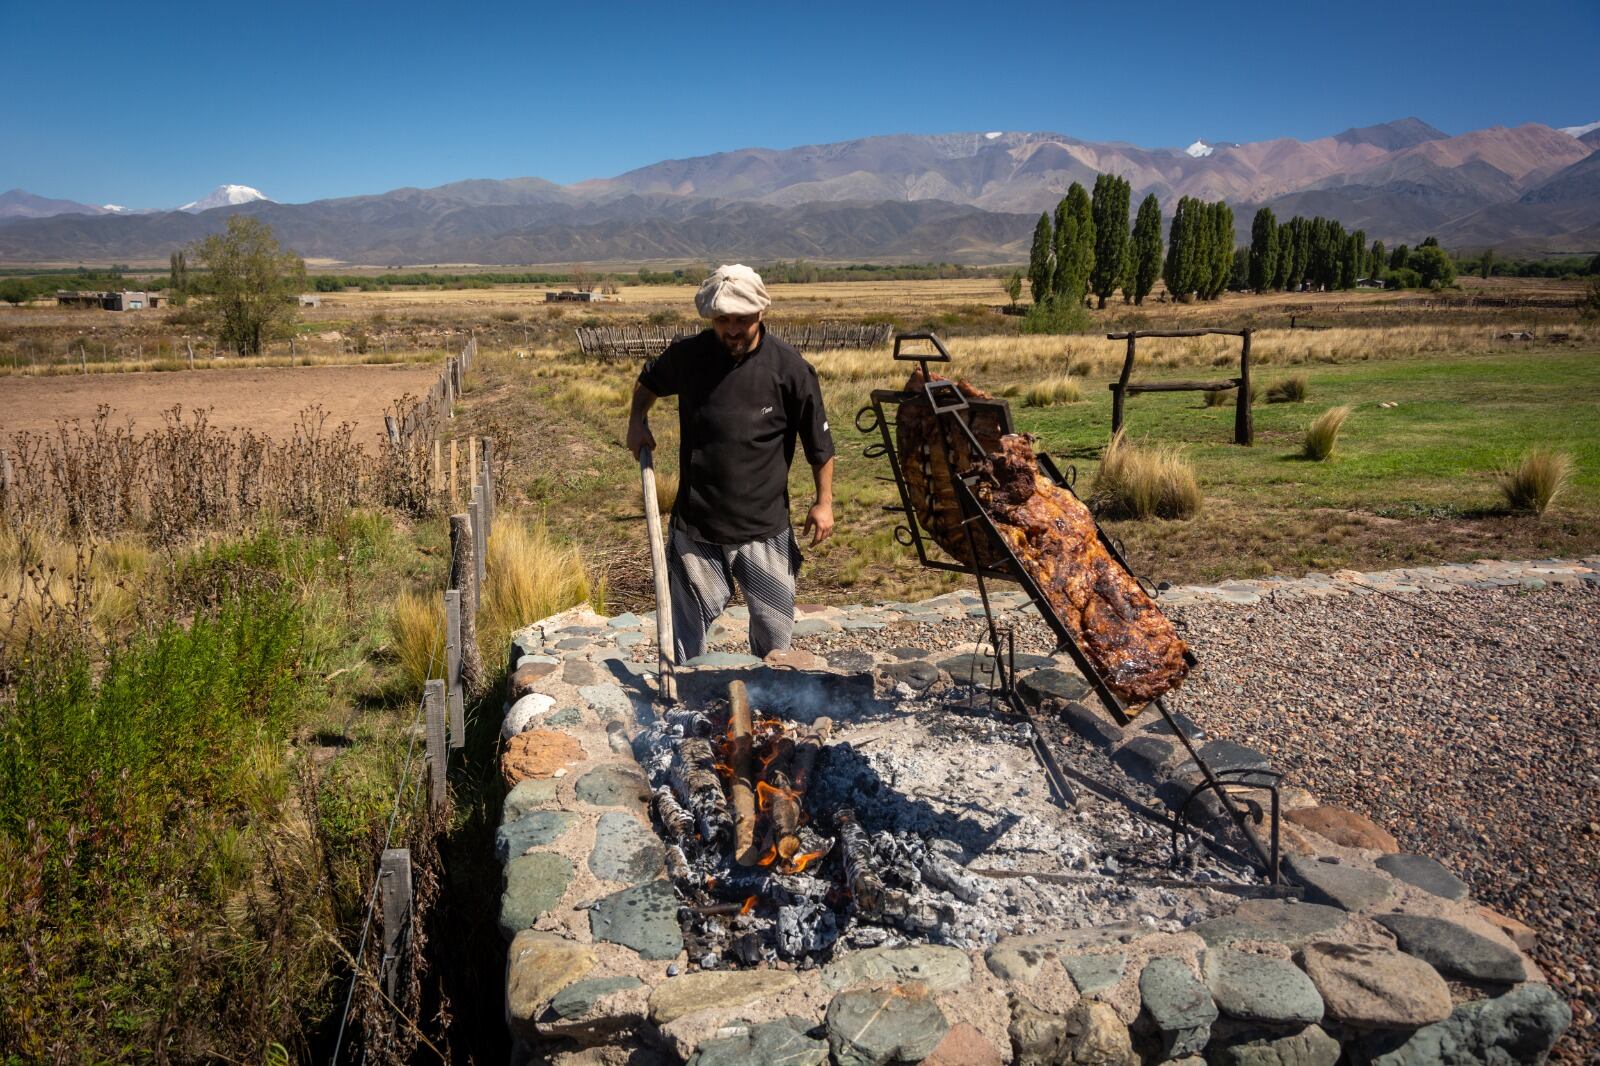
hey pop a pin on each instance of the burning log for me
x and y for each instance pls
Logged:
(806, 751)
(740, 739)
(694, 779)
(677, 821)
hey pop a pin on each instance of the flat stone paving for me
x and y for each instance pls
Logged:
(597, 954)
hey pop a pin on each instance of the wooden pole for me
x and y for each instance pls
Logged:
(464, 579)
(187, 343)
(472, 460)
(1118, 393)
(488, 485)
(438, 469)
(452, 668)
(392, 429)
(454, 483)
(741, 790)
(438, 750)
(480, 546)
(1244, 431)
(666, 650)
(394, 886)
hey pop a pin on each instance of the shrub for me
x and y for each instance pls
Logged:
(1539, 476)
(507, 316)
(1293, 389)
(666, 490)
(1051, 391)
(1056, 316)
(1145, 482)
(1221, 397)
(1323, 433)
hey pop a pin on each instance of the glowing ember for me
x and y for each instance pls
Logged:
(749, 905)
(804, 859)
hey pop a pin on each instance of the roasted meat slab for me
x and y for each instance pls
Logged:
(927, 475)
(1116, 623)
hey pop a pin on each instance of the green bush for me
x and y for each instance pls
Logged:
(1056, 316)
(1292, 389)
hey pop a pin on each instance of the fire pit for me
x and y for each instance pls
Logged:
(794, 836)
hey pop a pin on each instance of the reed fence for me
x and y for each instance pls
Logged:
(104, 477)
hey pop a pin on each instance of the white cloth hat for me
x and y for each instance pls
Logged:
(732, 290)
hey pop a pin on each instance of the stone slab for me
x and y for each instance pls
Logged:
(1018, 958)
(873, 1027)
(939, 968)
(770, 1044)
(1261, 989)
(1308, 1046)
(1277, 921)
(1178, 1004)
(1424, 873)
(1375, 987)
(538, 967)
(613, 786)
(1338, 885)
(579, 998)
(1520, 1026)
(1095, 973)
(1346, 828)
(690, 992)
(533, 884)
(1453, 950)
(526, 797)
(531, 830)
(625, 850)
(643, 917)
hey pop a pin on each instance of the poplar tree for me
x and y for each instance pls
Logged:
(1040, 265)
(1074, 244)
(1377, 261)
(1110, 213)
(1202, 223)
(1222, 249)
(1263, 250)
(1178, 271)
(1284, 250)
(1064, 239)
(1302, 253)
(1399, 257)
(1146, 248)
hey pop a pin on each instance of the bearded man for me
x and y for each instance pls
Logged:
(744, 398)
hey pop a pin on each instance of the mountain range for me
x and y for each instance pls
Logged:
(963, 197)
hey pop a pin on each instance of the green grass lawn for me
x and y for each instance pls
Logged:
(1455, 423)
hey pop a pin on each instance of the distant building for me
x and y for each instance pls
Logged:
(1369, 283)
(109, 301)
(308, 299)
(568, 296)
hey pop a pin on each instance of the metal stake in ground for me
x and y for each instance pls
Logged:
(658, 567)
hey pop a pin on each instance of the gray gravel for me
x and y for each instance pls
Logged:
(1483, 755)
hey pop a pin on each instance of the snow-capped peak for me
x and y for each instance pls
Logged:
(115, 209)
(1579, 131)
(225, 196)
(1199, 149)
(992, 135)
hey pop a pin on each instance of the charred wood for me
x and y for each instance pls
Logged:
(695, 781)
(806, 750)
(678, 822)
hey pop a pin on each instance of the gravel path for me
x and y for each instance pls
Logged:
(1483, 755)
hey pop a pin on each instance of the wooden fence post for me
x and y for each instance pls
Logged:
(1119, 393)
(394, 885)
(464, 578)
(392, 429)
(480, 546)
(438, 748)
(1244, 430)
(454, 482)
(488, 485)
(452, 668)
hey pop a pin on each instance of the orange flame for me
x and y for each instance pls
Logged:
(749, 905)
(765, 792)
(768, 857)
(804, 859)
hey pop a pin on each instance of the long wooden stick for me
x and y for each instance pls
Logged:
(658, 567)
(740, 789)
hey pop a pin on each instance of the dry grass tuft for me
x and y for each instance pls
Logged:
(666, 491)
(416, 633)
(1292, 389)
(1222, 397)
(531, 575)
(1137, 481)
(1533, 484)
(1323, 433)
(1051, 391)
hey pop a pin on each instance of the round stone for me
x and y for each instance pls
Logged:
(1374, 987)
(625, 850)
(870, 1028)
(530, 831)
(644, 918)
(612, 786)
(534, 883)
(1424, 873)
(1453, 950)
(1258, 988)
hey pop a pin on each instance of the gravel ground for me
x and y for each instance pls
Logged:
(1467, 729)
(1466, 722)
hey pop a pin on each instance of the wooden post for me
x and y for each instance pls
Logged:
(187, 343)
(394, 886)
(438, 750)
(464, 579)
(83, 356)
(480, 546)
(666, 650)
(488, 487)
(472, 461)
(452, 668)
(438, 470)
(454, 483)
(1244, 431)
(392, 429)
(741, 789)
(1120, 392)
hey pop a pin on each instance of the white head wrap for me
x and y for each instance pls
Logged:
(732, 290)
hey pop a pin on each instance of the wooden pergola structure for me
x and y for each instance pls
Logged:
(1243, 425)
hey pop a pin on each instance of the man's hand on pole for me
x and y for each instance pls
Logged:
(639, 435)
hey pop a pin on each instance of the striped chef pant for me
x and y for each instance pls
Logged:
(702, 578)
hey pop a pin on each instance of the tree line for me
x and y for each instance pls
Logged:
(1317, 253)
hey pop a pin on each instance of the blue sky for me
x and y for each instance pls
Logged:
(152, 105)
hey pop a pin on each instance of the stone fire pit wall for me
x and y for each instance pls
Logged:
(1386, 959)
